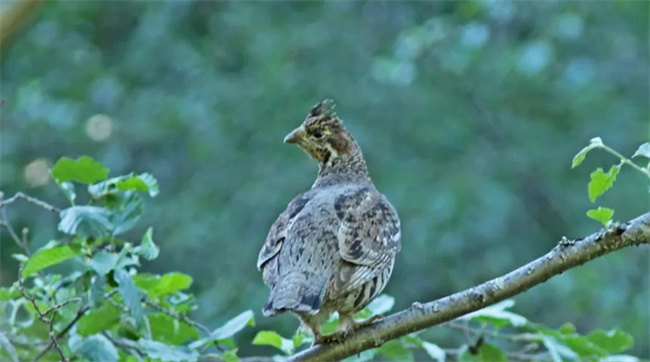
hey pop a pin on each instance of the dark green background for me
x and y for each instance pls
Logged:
(468, 114)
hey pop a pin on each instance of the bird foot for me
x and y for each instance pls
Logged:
(336, 337)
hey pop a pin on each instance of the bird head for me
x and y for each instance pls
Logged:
(322, 135)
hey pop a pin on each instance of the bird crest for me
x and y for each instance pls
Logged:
(323, 109)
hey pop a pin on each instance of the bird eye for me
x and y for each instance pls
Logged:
(318, 134)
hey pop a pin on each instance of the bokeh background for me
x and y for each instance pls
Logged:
(468, 113)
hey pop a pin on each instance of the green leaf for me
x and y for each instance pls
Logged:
(98, 320)
(490, 353)
(171, 282)
(567, 328)
(395, 350)
(643, 151)
(601, 181)
(148, 248)
(97, 348)
(47, 257)
(435, 352)
(583, 347)
(169, 330)
(271, 338)
(85, 221)
(580, 156)
(164, 352)
(8, 293)
(103, 262)
(234, 325)
(230, 356)
(126, 212)
(144, 182)
(498, 315)
(84, 170)
(614, 341)
(130, 293)
(601, 214)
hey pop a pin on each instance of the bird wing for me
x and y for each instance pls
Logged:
(266, 260)
(369, 236)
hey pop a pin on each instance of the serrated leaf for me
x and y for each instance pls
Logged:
(395, 350)
(85, 221)
(84, 170)
(601, 214)
(164, 352)
(147, 248)
(144, 182)
(97, 348)
(98, 320)
(435, 352)
(130, 293)
(614, 341)
(601, 182)
(48, 257)
(643, 151)
(234, 325)
(271, 338)
(170, 330)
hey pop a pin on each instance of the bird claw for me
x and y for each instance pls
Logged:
(336, 337)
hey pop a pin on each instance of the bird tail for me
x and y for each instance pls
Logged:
(296, 292)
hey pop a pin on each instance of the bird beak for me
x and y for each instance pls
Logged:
(295, 135)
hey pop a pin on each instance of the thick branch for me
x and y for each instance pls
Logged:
(566, 255)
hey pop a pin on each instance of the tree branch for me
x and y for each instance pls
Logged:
(566, 255)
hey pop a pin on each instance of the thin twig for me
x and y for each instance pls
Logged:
(65, 330)
(42, 316)
(4, 221)
(53, 338)
(32, 200)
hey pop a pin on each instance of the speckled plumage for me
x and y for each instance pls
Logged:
(333, 248)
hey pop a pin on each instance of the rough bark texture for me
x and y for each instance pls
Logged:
(566, 255)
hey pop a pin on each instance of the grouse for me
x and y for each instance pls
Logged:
(333, 248)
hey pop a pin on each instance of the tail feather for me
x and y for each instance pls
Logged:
(296, 292)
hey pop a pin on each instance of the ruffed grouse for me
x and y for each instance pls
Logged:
(333, 248)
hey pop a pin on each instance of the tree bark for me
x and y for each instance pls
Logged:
(566, 255)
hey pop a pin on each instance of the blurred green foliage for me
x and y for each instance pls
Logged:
(468, 114)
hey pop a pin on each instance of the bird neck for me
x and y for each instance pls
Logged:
(344, 168)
